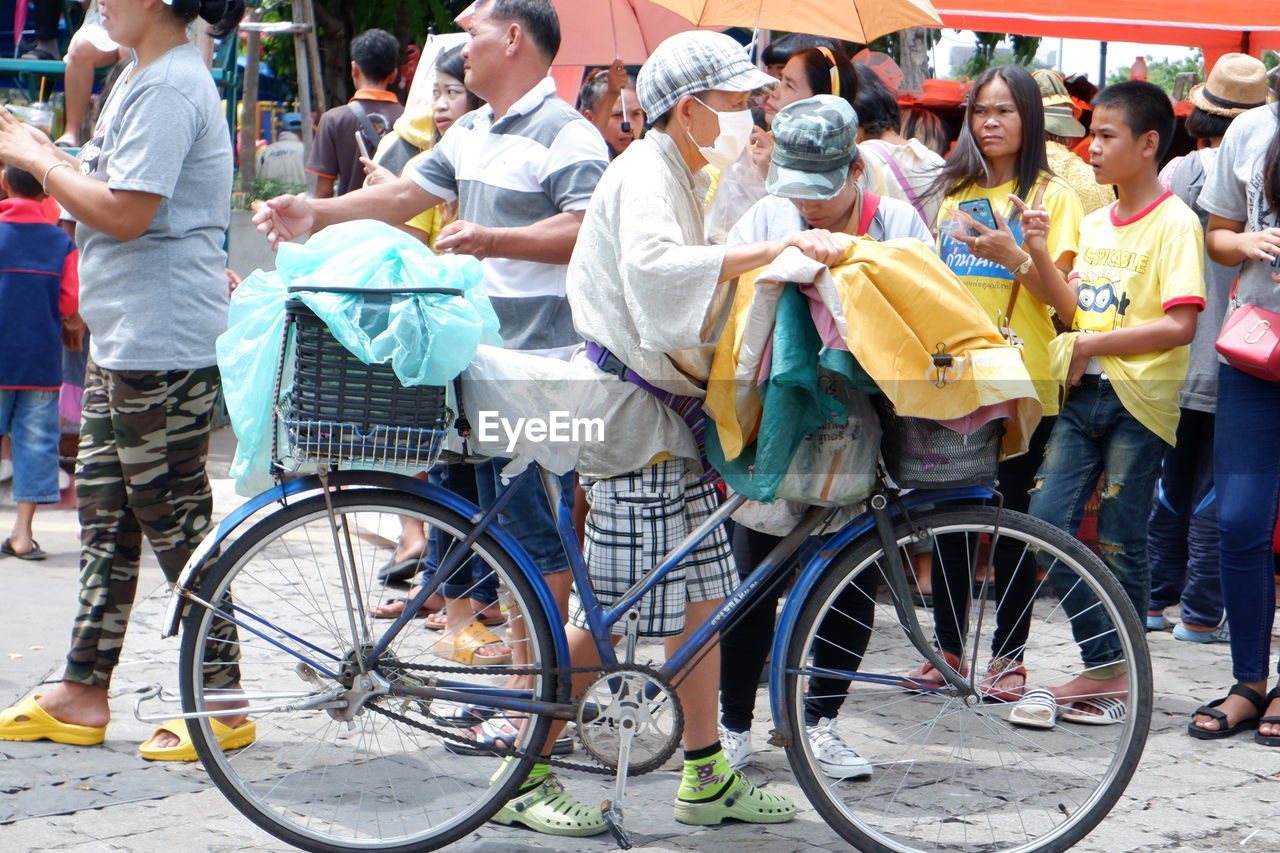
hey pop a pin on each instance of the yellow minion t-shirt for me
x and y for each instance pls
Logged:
(1130, 272)
(991, 283)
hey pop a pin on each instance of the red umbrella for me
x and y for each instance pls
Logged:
(596, 32)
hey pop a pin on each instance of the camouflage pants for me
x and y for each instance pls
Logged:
(144, 439)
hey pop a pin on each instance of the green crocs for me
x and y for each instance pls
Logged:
(743, 801)
(550, 809)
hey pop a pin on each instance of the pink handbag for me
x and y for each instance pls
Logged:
(1250, 339)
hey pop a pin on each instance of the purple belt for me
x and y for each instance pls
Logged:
(688, 408)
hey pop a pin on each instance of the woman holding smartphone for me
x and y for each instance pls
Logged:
(997, 169)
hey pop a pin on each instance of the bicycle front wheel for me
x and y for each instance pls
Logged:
(948, 770)
(343, 758)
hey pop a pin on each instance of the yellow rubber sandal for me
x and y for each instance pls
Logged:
(40, 725)
(184, 750)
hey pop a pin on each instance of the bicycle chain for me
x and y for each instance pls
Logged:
(454, 735)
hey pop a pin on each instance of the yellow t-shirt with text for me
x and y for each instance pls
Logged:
(991, 284)
(1130, 272)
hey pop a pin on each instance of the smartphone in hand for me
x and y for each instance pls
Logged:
(364, 150)
(980, 209)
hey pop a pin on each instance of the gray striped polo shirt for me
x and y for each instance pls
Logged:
(540, 159)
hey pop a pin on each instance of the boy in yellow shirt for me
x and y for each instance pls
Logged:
(1139, 281)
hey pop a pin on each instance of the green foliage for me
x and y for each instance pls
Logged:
(892, 43)
(1163, 73)
(1271, 59)
(985, 45)
(263, 189)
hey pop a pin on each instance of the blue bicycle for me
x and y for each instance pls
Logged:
(369, 735)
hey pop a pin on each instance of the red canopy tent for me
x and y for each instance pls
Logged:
(1244, 26)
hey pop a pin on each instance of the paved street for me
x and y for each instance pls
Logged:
(1188, 795)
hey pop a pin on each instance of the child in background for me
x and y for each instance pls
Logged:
(38, 288)
(1139, 279)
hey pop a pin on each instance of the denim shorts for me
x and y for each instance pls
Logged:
(30, 419)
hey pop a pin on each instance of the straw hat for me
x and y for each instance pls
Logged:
(1236, 83)
(1059, 112)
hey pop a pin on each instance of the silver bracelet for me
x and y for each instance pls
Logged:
(44, 182)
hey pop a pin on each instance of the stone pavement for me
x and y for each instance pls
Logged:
(1188, 795)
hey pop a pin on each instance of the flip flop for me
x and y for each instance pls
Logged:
(471, 639)
(997, 669)
(436, 621)
(184, 750)
(928, 679)
(1037, 709)
(378, 612)
(40, 725)
(6, 548)
(399, 571)
(1259, 737)
(1250, 695)
(1106, 711)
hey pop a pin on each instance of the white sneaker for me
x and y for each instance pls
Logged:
(835, 758)
(737, 747)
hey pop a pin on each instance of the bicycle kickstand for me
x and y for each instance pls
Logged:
(611, 810)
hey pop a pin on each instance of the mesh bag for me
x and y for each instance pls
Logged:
(343, 410)
(923, 454)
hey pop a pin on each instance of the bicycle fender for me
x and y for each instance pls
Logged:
(189, 578)
(815, 570)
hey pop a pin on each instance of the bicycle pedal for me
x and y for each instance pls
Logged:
(613, 819)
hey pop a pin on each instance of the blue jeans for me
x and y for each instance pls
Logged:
(1246, 467)
(1096, 437)
(30, 418)
(1183, 545)
(527, 516)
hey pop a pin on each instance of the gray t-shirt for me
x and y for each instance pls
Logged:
(159, 301)
(1200, 390)
(1235, 191)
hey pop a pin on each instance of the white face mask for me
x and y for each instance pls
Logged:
(735, 132)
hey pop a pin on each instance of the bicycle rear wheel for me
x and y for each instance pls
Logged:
(950, 772)
(274, 628)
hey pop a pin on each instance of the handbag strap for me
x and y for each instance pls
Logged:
(1017, 285)
(881, 151)
(870, 204)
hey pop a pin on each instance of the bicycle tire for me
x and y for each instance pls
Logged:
(952, 776)
(307, 778)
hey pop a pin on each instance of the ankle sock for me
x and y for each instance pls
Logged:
(707, 775)
(537, 775)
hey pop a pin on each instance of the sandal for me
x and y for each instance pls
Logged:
(1103, 711)
(997, 670)
(1252, 696)
(35, 553)
(550, 809)
(1259, 737)
(1037, 709)
(742, 801)
(184, 750)
(41, 725)
(436, 621)
(500, 732)
(927, 678)
(463, 649)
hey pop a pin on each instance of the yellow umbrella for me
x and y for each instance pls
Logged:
(853, 20)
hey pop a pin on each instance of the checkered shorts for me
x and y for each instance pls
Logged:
(635, 520)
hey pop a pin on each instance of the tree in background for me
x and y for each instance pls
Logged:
(1164, 72)
(984, 56)
(339, 21)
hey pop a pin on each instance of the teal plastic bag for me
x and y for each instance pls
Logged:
(428, 339)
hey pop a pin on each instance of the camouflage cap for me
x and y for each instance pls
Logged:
(814, 143)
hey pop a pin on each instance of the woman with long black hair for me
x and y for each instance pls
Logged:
(999, 166)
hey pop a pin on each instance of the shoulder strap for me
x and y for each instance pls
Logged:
(1037, 201)
(870, 204)
(881, 151)
(367, 130)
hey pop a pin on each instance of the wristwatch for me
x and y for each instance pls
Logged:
(1022, 268)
